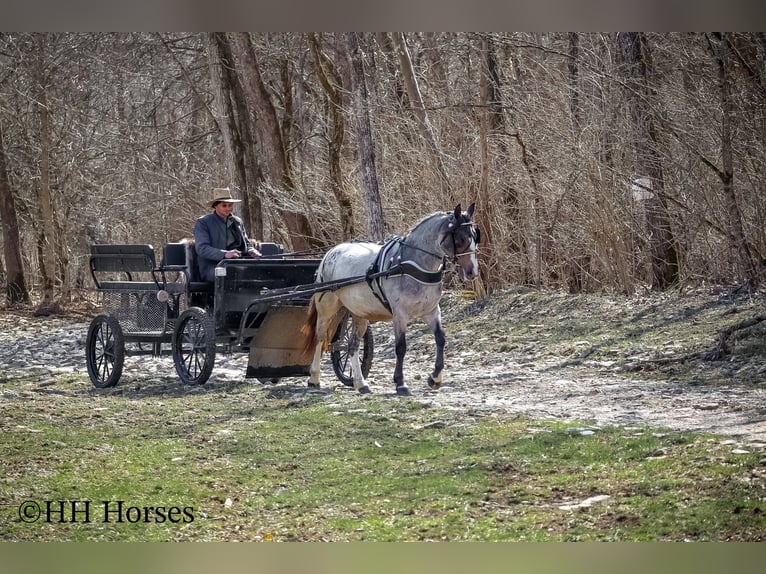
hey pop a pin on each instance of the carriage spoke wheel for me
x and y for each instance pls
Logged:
(341, 359)
(194, 346)
(105, 351)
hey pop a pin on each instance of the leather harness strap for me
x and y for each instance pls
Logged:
(379, 270)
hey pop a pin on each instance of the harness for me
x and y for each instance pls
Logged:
(389, 264)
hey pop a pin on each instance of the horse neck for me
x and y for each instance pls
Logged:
(421, 244)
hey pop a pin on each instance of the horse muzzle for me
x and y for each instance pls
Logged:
(467, 272)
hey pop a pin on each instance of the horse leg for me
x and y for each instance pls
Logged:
(327, 305)
(435, 323)
(400, 326)
(358, 328)
(316, 363)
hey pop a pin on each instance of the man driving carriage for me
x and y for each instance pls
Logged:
(220, 235)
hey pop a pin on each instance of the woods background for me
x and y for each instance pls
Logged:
(597, 161)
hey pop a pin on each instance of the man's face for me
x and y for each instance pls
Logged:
(224, 208)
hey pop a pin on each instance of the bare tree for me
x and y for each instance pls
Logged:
(48, 245)
(233, 121)
(490, 121)
(663, 256)
(419, 109)
(719, 46)
(361, 112)
(15, 287)
(277, 167)
(536, 125)
(331, 82)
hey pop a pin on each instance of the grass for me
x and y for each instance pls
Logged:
(280, 463)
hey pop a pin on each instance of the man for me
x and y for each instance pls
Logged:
(220, 235)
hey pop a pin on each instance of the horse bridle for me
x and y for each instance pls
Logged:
(454, 229)
(477, 239)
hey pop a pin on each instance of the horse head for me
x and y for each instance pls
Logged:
(461, 240)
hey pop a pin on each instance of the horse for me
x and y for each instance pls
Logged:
(395, 281)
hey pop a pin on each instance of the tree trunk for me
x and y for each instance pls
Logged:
(15, 287)
(269, 134)
(663, 256)
(574, 82)
(233, 123)
(419, 109)
(373, 207)
(324, 70)
(488, 126)
(47, 241)
(387, 47)
(745, 262)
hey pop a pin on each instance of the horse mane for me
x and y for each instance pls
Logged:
(426, 219)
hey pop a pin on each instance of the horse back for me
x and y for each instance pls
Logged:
(347, 260)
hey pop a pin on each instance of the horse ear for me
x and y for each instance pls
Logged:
(458, 211)
(470, 210)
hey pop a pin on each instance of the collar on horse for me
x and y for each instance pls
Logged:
(388, 265)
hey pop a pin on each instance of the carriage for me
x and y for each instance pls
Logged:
(267, 306)
(255, 306)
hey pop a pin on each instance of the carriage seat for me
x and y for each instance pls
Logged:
(271, 250)
(182, 257)
(129, 262)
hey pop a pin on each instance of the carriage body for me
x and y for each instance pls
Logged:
(255, 306)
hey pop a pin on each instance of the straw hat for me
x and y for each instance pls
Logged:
(221, 194)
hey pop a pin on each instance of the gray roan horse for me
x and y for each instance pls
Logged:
(396, 281)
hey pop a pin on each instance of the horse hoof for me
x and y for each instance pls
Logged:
(313, 385)
(365, 390)
(403, 391)
(433, 384)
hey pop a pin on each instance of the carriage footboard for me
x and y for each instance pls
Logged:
(277, 344)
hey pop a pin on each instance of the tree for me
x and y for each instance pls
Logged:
(331, 82)
(663, 256)
(48, 244)
(546, 130)
(719, 46)
(367, 168)
(15, 287)
(232, 117)
(419, 109)
(267, 126)
(490, 124)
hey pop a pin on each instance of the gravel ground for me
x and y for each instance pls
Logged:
(504, 356)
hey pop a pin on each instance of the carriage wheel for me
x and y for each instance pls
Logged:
(194, 346)
(341, 360)
(104, 351)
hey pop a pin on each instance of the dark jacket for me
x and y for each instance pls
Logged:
(210, 242)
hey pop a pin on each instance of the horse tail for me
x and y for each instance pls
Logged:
(309, 328)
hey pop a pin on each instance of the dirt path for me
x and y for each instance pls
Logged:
(586, 358)
(549, 371)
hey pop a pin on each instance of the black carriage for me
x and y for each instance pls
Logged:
(255, 306)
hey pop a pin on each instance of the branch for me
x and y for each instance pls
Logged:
(185, 72)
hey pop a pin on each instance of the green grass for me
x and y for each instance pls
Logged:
(253, 464)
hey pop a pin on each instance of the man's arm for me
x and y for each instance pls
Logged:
(249, 247)
(203, 242)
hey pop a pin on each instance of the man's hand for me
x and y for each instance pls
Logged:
(232, 254)
(253, 252)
